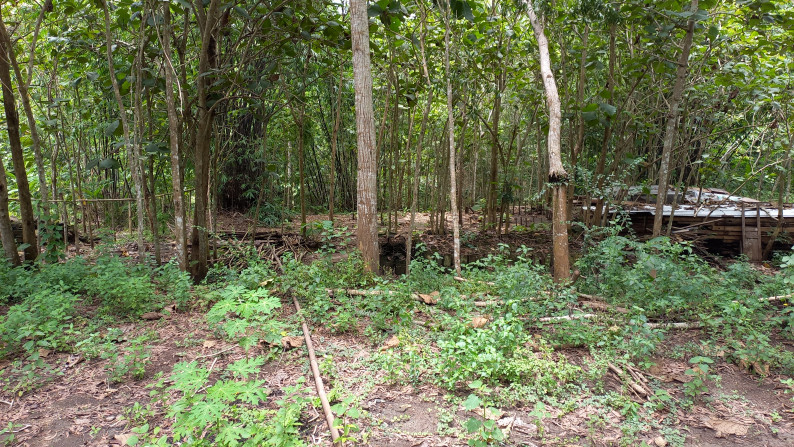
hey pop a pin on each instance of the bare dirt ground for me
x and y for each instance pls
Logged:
(80, 407)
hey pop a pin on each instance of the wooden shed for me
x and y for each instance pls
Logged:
(714, 216)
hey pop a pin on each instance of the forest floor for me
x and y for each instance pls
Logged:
(381, 366)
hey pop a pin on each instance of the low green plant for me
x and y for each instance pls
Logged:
(229, 411)
(122, 289)
(699, 372)
(246, 316)
(39, 322)
(484, 431)
(130, 362)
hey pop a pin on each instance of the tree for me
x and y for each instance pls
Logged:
(200, 251)
(173, 137)
(131, 147)
(557, 175)
(17, 156)
(453, 191)
(365, 128)
(6, 233)
(672, 120)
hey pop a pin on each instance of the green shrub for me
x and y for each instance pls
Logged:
(175, 283)
(229, 411)
(40, 321)
(246, 316)
(122, 289)
(659, 276)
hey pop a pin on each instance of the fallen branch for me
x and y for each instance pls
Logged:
(603, 306)
(318, 380)
(566, 318)
(215, 354)
(777, 297)
(631, 379)
(692, 325)
(462, 279)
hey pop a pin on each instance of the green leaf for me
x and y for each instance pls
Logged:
(110, 128)
(609, 109)
(472, 425)
(472, 402)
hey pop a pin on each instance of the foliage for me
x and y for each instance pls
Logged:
(132, 362)
(229, 411)
(246, 316)
(39, 322)
(121, 289)
(658, 276)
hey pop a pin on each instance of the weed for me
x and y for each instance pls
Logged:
(699, 372)
(246, 316)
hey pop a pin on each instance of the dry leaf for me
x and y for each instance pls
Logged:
(290, 342)
(209, 343)
(391, 342)
(478, 322)
(724, 428)
(123, 438)
(489, 413)
(151, 316)
(761, 368)
(660, 441)
(428, 298)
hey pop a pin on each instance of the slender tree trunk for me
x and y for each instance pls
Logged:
(6, 233)
(672, 121)
(17, 156)
(128, 144)
(365, 126)
(419, 143)
(557, 175)
(199, 255)
(576, 149)
(174, 139)
(24, 96)
(453, 192)
(334, 142)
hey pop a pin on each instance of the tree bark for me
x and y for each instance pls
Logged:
(557, 175)
(423, 128)
(365, 126)
(453, 193)
(6, 233)
(128, 144)
(199, 255)
(17, 156)
(23, 94)
(672, 121)
(173, 135)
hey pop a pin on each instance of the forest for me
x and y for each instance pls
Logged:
(401, 223)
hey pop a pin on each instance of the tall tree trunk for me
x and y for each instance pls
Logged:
(672, 121)
(17, 156)
(6, 233)
(453, 192)
(419, 143)
(334, 142)
(365, 126)
(576, 149)
(148, 192)
(199, 254)
(128, 143)
(23, 84)
(174, 133)
(557, 175)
